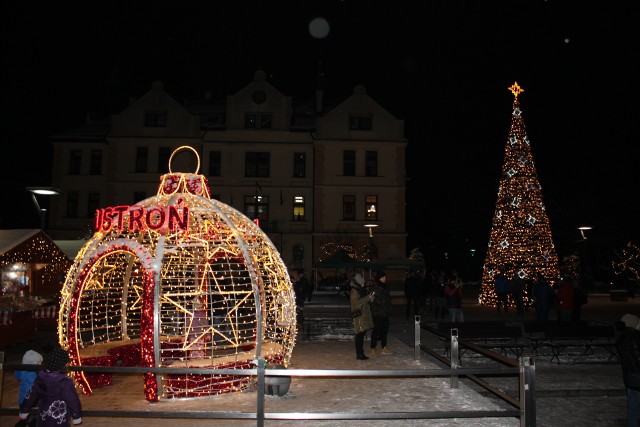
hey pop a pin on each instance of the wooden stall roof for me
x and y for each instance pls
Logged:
(30, 246)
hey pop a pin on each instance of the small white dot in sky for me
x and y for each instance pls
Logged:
(319, 28)
(566, 41)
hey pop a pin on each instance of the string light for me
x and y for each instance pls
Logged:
(178, 296)
(520, 241)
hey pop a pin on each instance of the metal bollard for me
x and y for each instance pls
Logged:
(416, 339)
(455, 356)
(527, 392)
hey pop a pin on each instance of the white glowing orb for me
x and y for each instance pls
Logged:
(319, 28)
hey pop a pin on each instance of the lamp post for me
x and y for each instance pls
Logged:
(42, 191)
(372, 248)
(585, 263)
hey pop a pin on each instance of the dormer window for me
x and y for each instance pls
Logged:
(155, 120)
(360, 122)
(257, 121)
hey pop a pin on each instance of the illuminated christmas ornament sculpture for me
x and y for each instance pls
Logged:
(178, 280)
(520, 242)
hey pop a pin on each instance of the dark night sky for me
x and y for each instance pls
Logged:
(442, 66)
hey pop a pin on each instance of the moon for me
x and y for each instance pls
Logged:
(319, 28)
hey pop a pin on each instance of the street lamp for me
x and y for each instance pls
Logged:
(42, 191)
(586, 253)
(582, 230)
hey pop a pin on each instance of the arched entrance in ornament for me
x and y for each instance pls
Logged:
(113, 306)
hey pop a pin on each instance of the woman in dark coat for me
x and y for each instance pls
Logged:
(381, 312)
(363, 322)
(54, 393)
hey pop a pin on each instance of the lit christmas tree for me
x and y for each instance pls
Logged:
(520, 241)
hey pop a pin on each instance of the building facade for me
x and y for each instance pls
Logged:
(316, 181)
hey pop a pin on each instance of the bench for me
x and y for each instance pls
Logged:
(559, 336)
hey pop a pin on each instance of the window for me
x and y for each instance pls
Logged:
(93, 204)
(257, 121)
(164, 154)
(349, 163)
(256, 164)
(142, 155)
(371, 207)
(96, 162)
(139, 196)
(75, 162)
(298, 254)
(72, 205)
(359, 122)
(257, 207)
(371, 163)
(155, 120)
(215, 163)
(298, 208)
(299, 165)
(349, 207)
(265, 121)
(250, 121)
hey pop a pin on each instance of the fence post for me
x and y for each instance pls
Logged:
(416, 339)
(260, 396)
(455, 358)
(527, 392)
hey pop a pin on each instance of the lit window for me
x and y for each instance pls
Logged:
(371, 206)
(298, 208)
(257, 207)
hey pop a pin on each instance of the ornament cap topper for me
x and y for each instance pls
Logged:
(178, 182)
(516, 89)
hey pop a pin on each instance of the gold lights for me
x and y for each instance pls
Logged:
(516, 89)
(520, 241)
(215, 294)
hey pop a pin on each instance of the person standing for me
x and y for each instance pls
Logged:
(543, 297)
(628, 344)
(501, 288)
(54, 393)
(517, 292)
(300, 291)
(381, 312)
(453, 293)
(360, 312)
(565, 299)
(26, 378)
(304, 284)
(579, 299)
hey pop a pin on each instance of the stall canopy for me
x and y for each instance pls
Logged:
(30, 246)
(341, 259)
(392, 260)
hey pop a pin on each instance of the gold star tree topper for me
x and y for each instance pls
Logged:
(516, 89)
